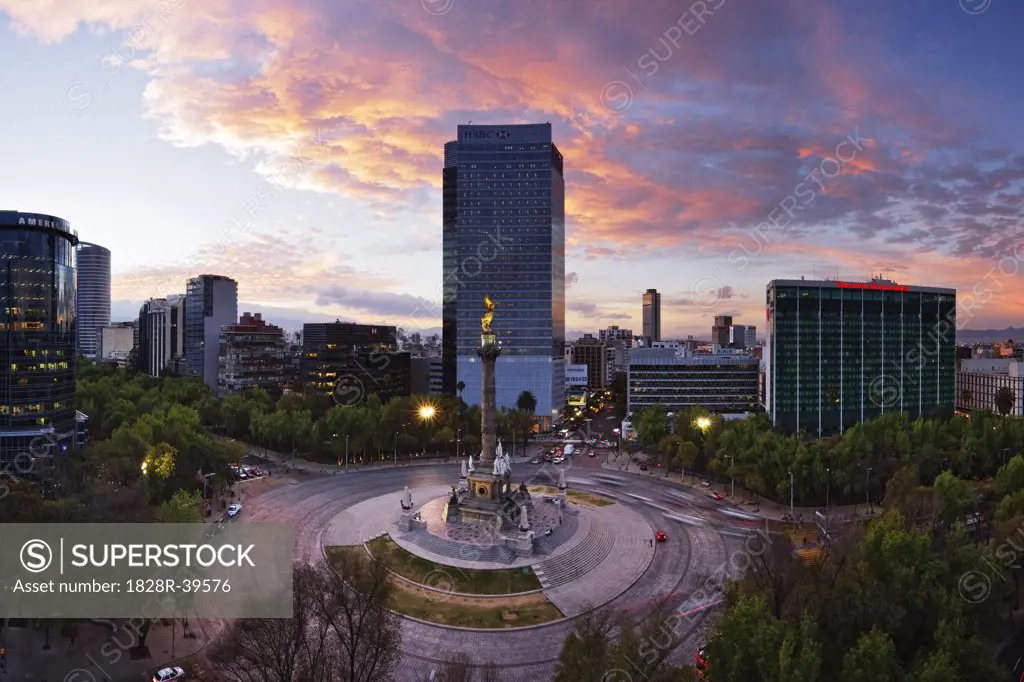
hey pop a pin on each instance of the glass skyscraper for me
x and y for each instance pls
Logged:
(839, 353)
(504, 236)
(37, 380)
(211, 302)
(93, 295)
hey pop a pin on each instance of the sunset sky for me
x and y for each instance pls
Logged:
(296, 145)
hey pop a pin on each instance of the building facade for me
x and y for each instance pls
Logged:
(613, 333)
(161, 336)
(93, 295)
(593, 353)
(742, 336)
(211, 302)
(504, 236)
(39, 350)
(348, 362)
(679, 380)
(721, 332)
(252, 355)
(115, 342)
(651, 316)
(839, 353)
(978, 381)
(427, 375)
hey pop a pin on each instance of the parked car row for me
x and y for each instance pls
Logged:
(246, 472)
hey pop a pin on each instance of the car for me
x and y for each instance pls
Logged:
(644, 467)
(233, 510)
(536, 460)
(701, 663)
(168, 674)
(713, 495)
(558, 460)
(660, 536)
(706, 483)
(592, 453)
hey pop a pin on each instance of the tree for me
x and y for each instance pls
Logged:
(1005, 400)
(296, 649)
(873, 659)
(527, 402)
(586, 652)
(183, 507)
(652, 425)
(460, 387)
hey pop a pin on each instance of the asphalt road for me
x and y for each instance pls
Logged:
(692, 552)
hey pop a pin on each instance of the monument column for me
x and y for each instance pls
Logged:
(488, 351)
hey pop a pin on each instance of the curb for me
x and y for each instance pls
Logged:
(464, 595)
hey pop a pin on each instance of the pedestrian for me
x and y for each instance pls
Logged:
(651, 540)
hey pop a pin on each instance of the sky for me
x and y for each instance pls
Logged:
(296, 145)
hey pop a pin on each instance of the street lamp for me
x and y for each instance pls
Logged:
(828, 483)
(206, 479)
(427, 412)
(792, 510)
(867, 488)
(732, 476)
(702, 423)
(458, 445)
(346, 453)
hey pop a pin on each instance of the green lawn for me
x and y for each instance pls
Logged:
(577, 496)
(441, 576)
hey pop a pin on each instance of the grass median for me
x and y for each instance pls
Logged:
(494, 612)
(441, 576)
(575, 496)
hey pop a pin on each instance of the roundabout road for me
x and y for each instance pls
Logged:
(679, 568)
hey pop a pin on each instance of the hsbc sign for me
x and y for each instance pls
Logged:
(484, 134)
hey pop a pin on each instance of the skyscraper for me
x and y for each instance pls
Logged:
(161, 331)
(38, 354)
(838, 353)
(652, 316)
(721, 333)
(211, 302)
(93, 295)
(504, 236)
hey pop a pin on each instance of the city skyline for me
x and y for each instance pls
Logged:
(681, 136)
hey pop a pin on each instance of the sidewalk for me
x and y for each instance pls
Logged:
(100, 653)
(765, 508)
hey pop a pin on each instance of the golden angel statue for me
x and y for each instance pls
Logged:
(485, 321)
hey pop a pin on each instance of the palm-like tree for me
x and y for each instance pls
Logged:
(1005, 400)
(526, 402)
(460, 387)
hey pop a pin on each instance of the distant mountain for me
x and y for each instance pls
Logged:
(989, 335)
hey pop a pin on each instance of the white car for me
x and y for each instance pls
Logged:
(233, 510)
(558, 460)
(168, 675)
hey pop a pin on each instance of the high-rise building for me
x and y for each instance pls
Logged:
(839, 353)
(722, 383)
(251, 356)
(613, 333)
(594, 354)
(211, 302)
(93, 294)
(721, 333)
(161, 336)
(351, 361)
(742, 336)
(652, 316)
(38, 355)
(504, 236)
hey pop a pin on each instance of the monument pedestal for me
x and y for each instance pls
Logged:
(410, 521)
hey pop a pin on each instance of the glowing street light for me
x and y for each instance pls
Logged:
(145, 465)
(702, 423)
(427, 412)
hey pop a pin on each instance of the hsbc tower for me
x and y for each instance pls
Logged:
(504, 236)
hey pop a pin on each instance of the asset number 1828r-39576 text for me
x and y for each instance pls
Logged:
(162, 585)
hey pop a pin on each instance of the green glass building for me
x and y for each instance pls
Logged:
(839, 353)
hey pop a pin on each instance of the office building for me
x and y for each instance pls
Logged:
(721, 332)
(39, 353)
(427, 375)
(618, 356)
(651, 317)
(504, 236)
(839, 353)
(742, 336)
(251, 356)
(211, 302)
(161, 344)
(348, 362)
(115, 342)
(93, 295)
(724, 383)
(593, 353)
(979, 380)
(613, 333)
